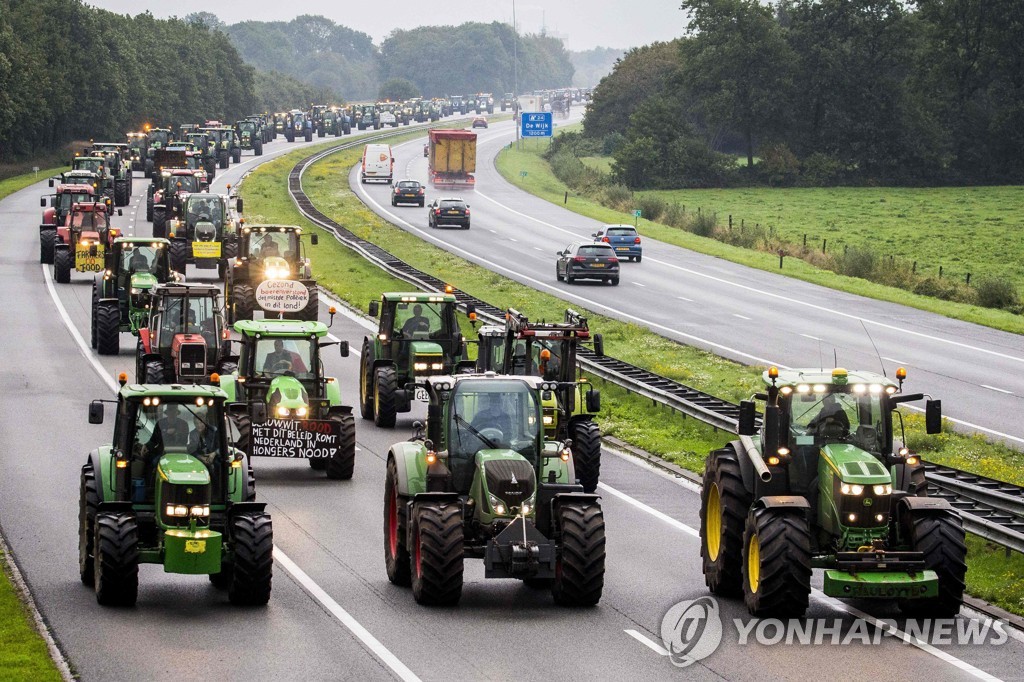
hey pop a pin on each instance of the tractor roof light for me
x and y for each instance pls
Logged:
(904, 451)
(122, 378)
(820, 388)
(803, 388)
(875, 389)
(860, 389)
(786, 390)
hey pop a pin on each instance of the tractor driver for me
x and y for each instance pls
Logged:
(171, 431)
(203, 443)
(492, 416)
(416, 323)
(282, 360)
(831, 421)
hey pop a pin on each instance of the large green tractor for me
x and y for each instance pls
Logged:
(483, 482)
(269, 253)
(185, 340)
(418, 336)
(825, 483)
(548, 350)
(203, 234)
(250, 135)
(122, 293)
(169, 490)
(156, 139)
(281, 391)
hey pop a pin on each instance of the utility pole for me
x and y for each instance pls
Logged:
(515, 68)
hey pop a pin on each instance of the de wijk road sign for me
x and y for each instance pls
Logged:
(536, 124)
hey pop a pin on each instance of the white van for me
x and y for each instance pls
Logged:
(378, 163)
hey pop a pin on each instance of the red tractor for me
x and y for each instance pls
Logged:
(81, 243)
(57, 207)
(174, 184)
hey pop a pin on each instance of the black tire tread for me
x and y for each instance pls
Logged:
(117, 559)
(724, 577)
(439, 530)
(342, 464)
(108, 328)
(785, 575)
(586, 453)
(252, 540)
(581, 578)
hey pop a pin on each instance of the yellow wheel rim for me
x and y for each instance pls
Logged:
(754, 563)
(713, 522)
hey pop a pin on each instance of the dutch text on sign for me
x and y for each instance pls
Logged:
(537, 124)
(307, 439)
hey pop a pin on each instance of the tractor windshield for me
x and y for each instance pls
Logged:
(421, 320)
(274, 357)
(205, 208)
(94, 220)
(184, 183)
(246, 126)
(264, 245)
(188, 315)
(164, 427)
(838, 418)
(91, 165)
(159, 138)
(142, 258)
(490, 414)
(66, 200)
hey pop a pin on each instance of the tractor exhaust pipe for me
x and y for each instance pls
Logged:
(755, 458)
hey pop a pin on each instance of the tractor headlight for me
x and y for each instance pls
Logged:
(136, 291)
(301, 411)
(177, 510)
(436, 366)
(274, 272)
(851, 489)
(419, 366)
(882, 489)
(200, 510)
(497, 505)
(283, 411)
(526, 508)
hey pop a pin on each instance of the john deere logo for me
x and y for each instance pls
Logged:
(188, 490)
(868, 501)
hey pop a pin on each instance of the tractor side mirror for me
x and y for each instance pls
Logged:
(748, 418)
(239, 204)
(343, 348)
(50, 183)
(599, 345)
(933, 416)
(42, 201)
(259, 411)
(96, 412)
(314, 239)
(593, 401)
(119, 212)
(374, 308)
(470, 309)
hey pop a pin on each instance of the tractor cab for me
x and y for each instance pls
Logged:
(420, 333)
(159, 137)
(173, 185)
(203, 235)
(137, 146)
(186, 339)
(58, 205)
(136, 264)
(90, 164)
(269, 252)
(247, 130)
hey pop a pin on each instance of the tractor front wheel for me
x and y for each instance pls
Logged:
(148, 169)
(159, 222)
(88, 502)
(252, 540)
(579, 575)
(47, 238)
(317, 463)
(236, 155)
(437, 557)
(586, 454)
(940, 537)
(776, 562)
(116, 569)
(177, 255)
(396, 554)
(121, 193)
(223, 159)
(156, 373)
(723, 512)
(343, 462)
(245, 302)
(107, 328)
(258, 149)
(366, 381)
(311, 313)
(62, 265)
(385, 385)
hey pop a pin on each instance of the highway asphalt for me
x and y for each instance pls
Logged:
(333, 614)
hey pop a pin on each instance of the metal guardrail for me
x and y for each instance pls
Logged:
(991, 509)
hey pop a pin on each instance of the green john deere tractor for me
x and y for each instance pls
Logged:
(483, 482)
(418, 336)
(249, 134)
(826, 484)
(549, 350)
(280, 388)
(121, 294)
(203, 234)
(185, 340)
(269, 253)
(169, 490)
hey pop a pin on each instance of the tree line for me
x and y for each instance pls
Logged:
(821, 92)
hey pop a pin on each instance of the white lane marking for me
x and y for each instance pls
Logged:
(812, 338)
(821, 596)
(537, 248)
(683, 298)
(898, 362)
(493, 231)
(638, 284)
(300, 576)
(512, 239)
(742, 317)
(335, 609)
(342, 309)
(998, 390)
(538, 284)
(780, 297)
(656, 648)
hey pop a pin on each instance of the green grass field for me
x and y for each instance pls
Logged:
(13, 184)
(633, 419)
(23, 653)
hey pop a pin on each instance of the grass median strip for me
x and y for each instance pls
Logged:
(632, 418)
(19, 182)
(23, 652)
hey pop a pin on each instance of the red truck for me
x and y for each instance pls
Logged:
(452, 159)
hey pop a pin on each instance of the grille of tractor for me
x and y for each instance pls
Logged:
(205, 232)
(187, 495)
(192, 360)
(511, 481)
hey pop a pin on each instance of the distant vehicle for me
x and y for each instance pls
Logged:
(448, 211)
(480, 122)
(378, 163)
(426, 150)
(623, 239)
(587, 261)
(452, 159)
(408, 192)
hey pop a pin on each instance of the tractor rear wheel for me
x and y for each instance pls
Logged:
(311, 313)
(121, 193)
(776, 562)
(586, 453)
(918, 482)
(95, 304)
(396, 554)
(245, 302)
(148, 169)
(62, 265)
(88, 501)
(437, 557)
(244, 426)
(236, 155)
(723, 513)
(366, 381)
(385, 385)
(156, 373)
(177, 255)
(159, 222)
(343, 462)
(579, 573)
(223, 159)
(47, 238)
(252, 540)
(940, 537)
(107, 328)
(258, 149)
(117, 559)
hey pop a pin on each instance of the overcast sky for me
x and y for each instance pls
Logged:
(582, 24)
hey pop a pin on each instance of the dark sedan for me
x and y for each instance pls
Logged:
(587, 261)
(452, 211)
(408, 192)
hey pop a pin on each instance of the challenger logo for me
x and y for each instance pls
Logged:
(514, 481)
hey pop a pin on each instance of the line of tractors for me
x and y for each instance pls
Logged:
(506, 465)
